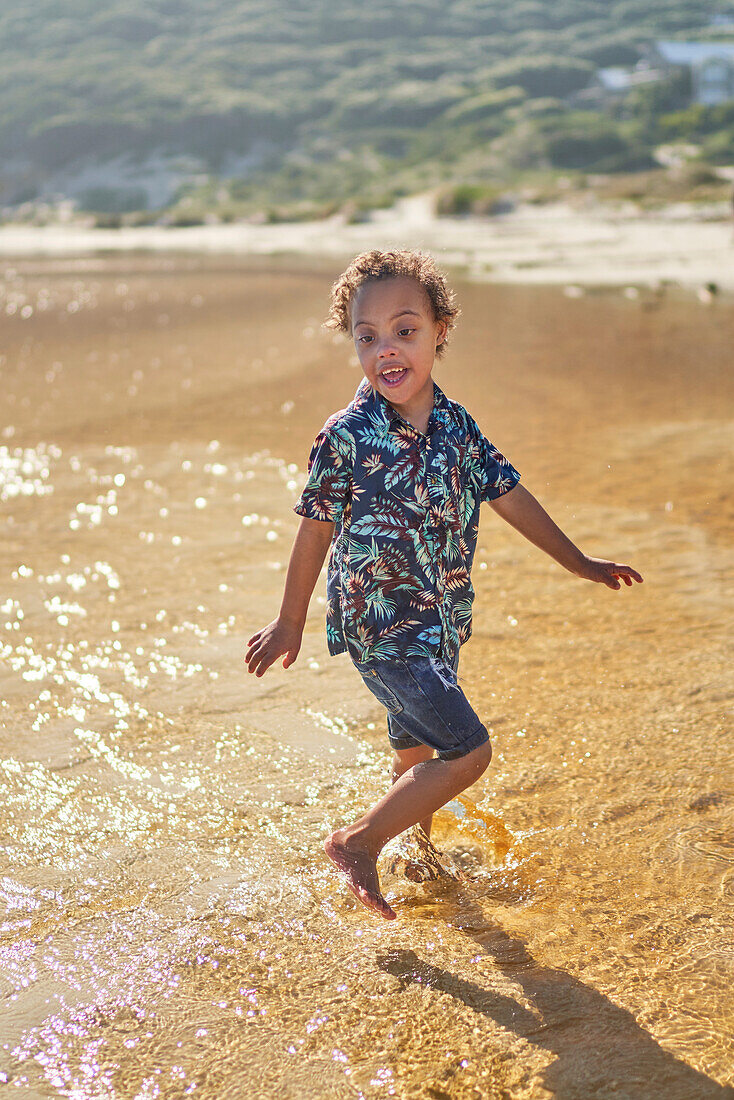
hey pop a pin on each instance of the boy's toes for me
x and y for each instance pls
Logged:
(373, 901)
(361, 875)
(380, 906)
(385, 910)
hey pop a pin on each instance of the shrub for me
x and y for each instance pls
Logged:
(113, 200)
(566, 149)
(477, 199)
(543, 76)
(719, 148)
(608, 54)
(478, 107)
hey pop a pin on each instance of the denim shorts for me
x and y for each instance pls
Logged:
(425, 705)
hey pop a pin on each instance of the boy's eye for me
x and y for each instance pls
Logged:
(401, 332)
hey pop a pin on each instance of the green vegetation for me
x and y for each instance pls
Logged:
(301, 108)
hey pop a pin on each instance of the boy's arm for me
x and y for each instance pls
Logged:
(520, 509)
(283, 635)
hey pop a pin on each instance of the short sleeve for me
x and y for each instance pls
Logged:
(329, 481)
(496, 474)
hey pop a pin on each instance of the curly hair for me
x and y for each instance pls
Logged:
(375, 264)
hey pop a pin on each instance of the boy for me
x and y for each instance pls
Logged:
(396, 479)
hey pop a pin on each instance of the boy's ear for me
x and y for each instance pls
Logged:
(442, 333)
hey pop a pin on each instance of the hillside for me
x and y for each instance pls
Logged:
(298, 108)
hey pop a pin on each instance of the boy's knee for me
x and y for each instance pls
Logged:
(483, 755)
(476, 762)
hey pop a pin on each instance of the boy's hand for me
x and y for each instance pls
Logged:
(520, 509)
(272, 642)
(606, 572)
(283, 635)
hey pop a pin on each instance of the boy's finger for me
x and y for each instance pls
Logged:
(263, 667)
(254, 657)
(627, 571)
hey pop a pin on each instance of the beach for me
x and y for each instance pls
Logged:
(172, 925)
(587, 242)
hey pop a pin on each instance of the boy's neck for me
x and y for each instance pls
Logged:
(418, 420)
(418, 416)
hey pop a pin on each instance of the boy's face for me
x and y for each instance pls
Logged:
(396, 336)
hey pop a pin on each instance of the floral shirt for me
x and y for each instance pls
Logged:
(406, 510)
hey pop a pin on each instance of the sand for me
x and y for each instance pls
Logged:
(594, 245)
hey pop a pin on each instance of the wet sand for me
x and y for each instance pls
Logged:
(172, 926)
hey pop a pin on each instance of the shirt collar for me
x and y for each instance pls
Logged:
(371, 400)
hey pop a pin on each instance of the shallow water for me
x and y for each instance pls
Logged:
(171, 925)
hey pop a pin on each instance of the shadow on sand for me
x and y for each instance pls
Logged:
(601, 1050)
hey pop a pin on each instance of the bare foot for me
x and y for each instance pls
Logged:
(361, 872)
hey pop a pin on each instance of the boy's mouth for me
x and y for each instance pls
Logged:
(394, 376)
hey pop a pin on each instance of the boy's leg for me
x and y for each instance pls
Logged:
(417, 793)
(416, 754)
(405, 759)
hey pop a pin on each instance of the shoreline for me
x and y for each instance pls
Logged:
(553, 244)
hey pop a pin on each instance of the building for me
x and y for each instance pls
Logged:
(614, 83)
(711, 65)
